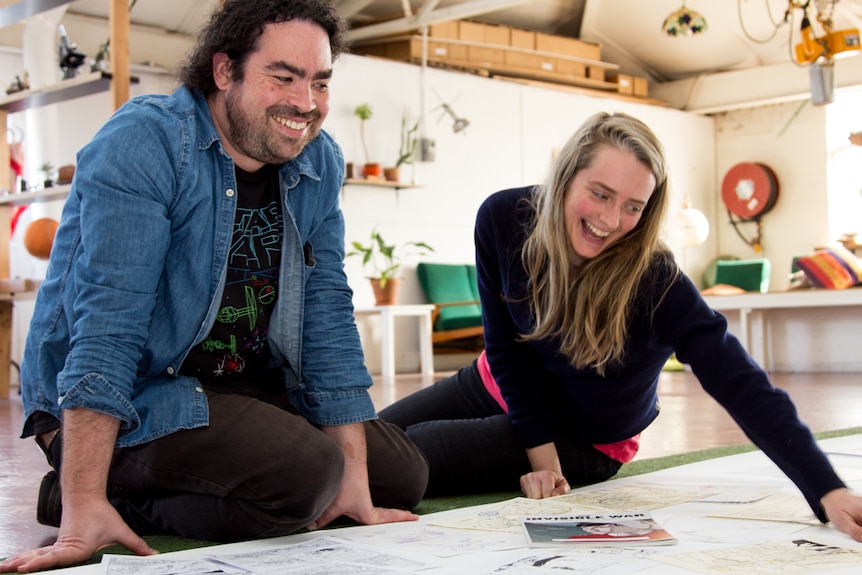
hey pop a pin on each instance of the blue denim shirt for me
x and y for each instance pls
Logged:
(138, 266)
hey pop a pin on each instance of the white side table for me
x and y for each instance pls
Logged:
(387, 327)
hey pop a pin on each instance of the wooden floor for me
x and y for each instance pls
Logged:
(690, 420)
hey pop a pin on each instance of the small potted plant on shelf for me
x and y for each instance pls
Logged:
(371, 170)
(382, 262)
(47, 170)
(406, 152)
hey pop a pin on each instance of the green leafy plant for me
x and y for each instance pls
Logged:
(381, 260)
(409, 140)
(101, 62)
(47, 170)
(364, 113)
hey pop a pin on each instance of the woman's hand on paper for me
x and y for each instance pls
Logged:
(541, 484)
(844, 510)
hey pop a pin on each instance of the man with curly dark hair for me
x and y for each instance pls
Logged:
(193, 366)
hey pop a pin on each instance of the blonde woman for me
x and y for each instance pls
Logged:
(582, 306)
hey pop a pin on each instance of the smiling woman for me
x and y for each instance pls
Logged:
(605, 201)
(582, 306)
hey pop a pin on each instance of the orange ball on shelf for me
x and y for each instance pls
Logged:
(39, 237)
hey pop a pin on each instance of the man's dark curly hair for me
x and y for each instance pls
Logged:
(236, 27)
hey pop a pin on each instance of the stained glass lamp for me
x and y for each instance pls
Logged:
(684, 22)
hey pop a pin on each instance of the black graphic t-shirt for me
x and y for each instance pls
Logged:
(235, 353)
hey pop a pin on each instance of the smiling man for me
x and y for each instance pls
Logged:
(192, 365)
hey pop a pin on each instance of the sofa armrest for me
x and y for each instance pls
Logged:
(438, 306)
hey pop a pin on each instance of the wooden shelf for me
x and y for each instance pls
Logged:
(83, 85)
(19, 289)
(18, 295)
(379, 183)
(408, 48)
(26, 198)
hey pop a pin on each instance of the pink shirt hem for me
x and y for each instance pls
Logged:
(623, 451)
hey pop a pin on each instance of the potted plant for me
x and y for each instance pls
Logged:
(382, 262)
(407, 150)
(47, 170)
(371, 169)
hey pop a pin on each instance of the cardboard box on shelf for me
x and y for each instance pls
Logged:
(625, 82)
(596, 73)
(498, 35)
(407, 49)
(378, 50)
(641, 87)
(445, 50)
(524, 40)
(573, 68)
(444, 30)
(484, 34)
(504, 51)
(565, 46)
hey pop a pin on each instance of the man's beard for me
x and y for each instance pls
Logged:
(259, 141)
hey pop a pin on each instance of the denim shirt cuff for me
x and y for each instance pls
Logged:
(334, 408)
(93, 392)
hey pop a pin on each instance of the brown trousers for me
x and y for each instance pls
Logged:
(257, 470)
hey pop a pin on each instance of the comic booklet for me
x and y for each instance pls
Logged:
(605, 529)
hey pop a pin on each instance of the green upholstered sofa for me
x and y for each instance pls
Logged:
(453, 290)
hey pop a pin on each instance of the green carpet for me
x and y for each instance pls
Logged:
(165, 543)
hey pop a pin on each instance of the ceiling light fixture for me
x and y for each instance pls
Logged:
(684, 22)
(820, 51)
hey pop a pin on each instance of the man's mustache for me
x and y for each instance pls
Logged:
(294, 112)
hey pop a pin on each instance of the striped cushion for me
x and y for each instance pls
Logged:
(833, 268)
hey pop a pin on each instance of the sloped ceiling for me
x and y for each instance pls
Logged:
(740, 35)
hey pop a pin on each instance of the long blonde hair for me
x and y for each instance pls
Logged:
(588, 308)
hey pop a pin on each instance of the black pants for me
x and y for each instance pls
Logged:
(470, 443)
(257, 470)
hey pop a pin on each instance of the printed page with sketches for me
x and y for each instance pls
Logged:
(606, 529)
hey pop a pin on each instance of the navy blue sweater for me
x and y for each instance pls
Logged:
(542, 389)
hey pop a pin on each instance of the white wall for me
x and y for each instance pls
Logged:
(790, 138)
(816, 168)
(513, 131)
(819, 199)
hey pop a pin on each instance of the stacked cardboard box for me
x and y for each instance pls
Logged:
(630, 85)
(502, 50)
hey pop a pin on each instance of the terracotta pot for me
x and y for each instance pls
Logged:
(392, 174)
(387, 294)
(372, 171)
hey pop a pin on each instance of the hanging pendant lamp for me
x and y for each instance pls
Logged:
(684, 22)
